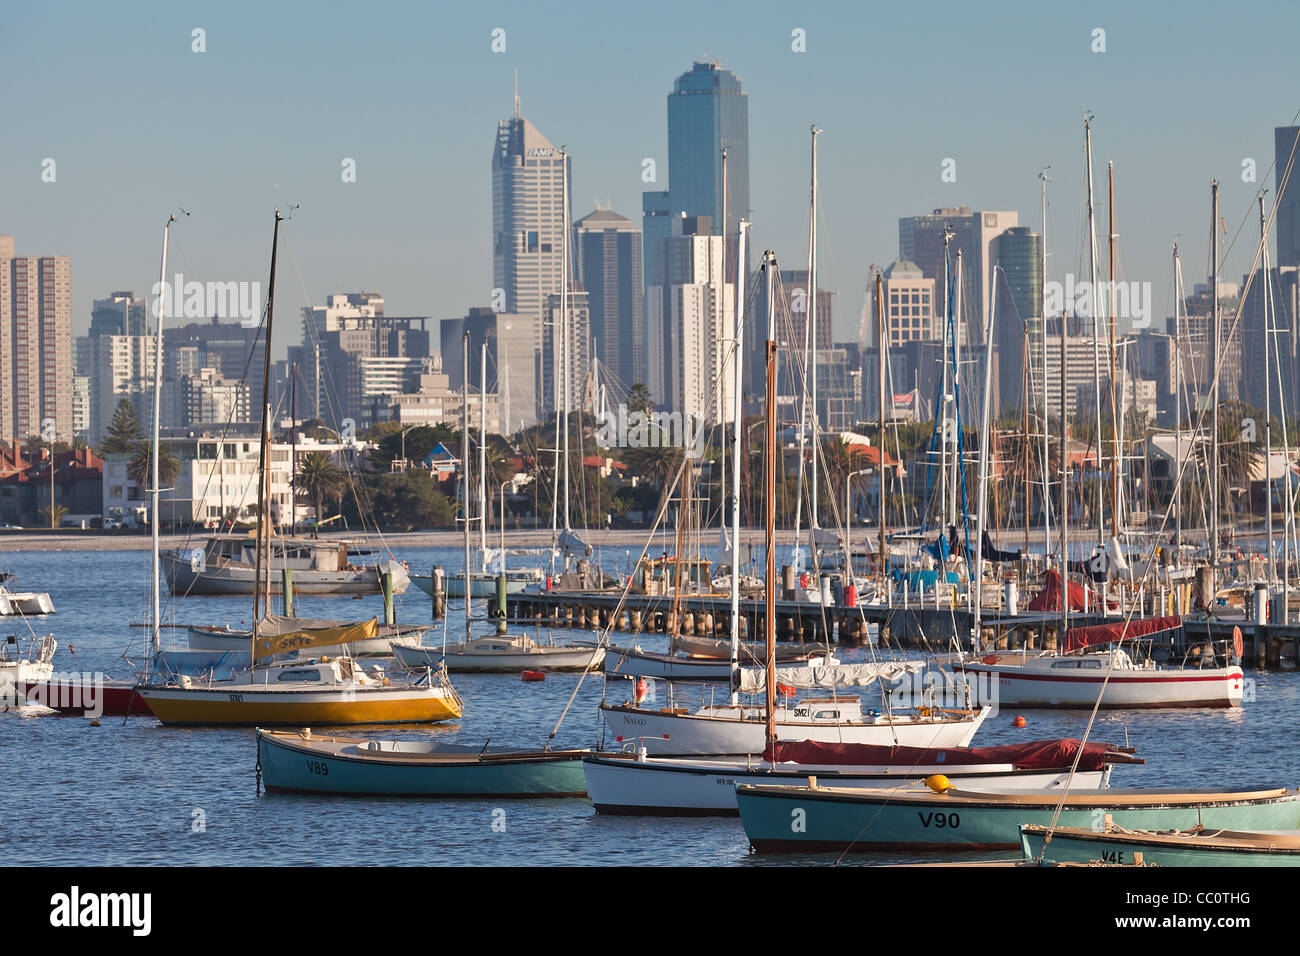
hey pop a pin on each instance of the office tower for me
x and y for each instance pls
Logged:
(707, 111)
(691, 324)
(117, 367)
(511, 368)
(36, 366)
(231, 352)
(528, 222)
(120, 314)
(1019, 253)
(1287, 190)
(608, 251)
(577, 343)
(912, 310)
(338, 338)
(210, 398)
(920, 240)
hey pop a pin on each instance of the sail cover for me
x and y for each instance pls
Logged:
(1035, 755)
(310, 639)
(1078, 637)
(991, 553)
(1049, 598)
(753, 680)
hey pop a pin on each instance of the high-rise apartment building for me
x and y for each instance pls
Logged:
(1286, 154)
(36, 366)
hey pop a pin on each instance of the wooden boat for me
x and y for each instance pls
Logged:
(501, 654)
(1077, 677)
(814, 818)
(303, 762)
(1195, 847)
(634, 783)
(740, 729)
(227, 565)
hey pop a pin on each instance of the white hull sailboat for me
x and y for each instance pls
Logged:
(223, 639)
(499, 654)
(17, 671)
(739, 729)
(24, 603)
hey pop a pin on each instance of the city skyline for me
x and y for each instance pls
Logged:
(234, 146)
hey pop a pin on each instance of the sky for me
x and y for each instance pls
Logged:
(138, 125)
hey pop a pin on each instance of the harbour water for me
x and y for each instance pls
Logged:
(133, 792)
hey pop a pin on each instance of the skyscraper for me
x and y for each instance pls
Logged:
(707, 111)
(36, 368)
(528, 222)
(1019, 291)
(1288, 198)
(608, 248)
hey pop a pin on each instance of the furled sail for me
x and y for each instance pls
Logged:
(753, 680)
(304, 639)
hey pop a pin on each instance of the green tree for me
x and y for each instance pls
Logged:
(140, 468)
(639, 397)
(55, 514)
(321, 478)
(124, 430)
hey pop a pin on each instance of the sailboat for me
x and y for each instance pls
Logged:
(306, 689)
(1197, 846)
(734, 728)
(501, 652)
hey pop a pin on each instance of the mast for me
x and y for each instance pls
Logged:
(1214, 381)
(882, 344)
(482, 456)
(155, 570)
(263, 485)
(1178, 405)
(956, 397)
(977, 580)
(1096, 314)
(464, 466)
(1047, 454)
(1116, 420)
(293, 454)
(1065, 500)
(814, 521)
(738, 381)
(769, 503)
(1268, 397)
(564, 335)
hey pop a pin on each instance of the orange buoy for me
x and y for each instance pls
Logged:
(990, 658)
(533, 675)
(1019, 722)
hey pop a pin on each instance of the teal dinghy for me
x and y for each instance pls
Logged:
(303, 762)
(816, 819)
(1117, 844)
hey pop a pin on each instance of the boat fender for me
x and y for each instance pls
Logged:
(938, 783)
(990, 658)
(386, 681)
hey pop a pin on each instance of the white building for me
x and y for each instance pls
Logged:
(117, 366)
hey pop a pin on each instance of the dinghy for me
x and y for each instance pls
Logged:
(1196, 847)
(304, 762)
(815, 818)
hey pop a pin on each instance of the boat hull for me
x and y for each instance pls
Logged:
(25, 603)
(804, 819)
(292, 764)
(1211, 687)
(625, 786)
(1079, 846)
(183, 579)
(87, 698)
(669, 733)
(627, 662)
(246, 706)
(541, 657)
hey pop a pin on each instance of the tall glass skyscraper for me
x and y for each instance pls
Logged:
(707, 110)
(1288, 210)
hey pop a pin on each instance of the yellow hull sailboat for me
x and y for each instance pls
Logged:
(306, 688)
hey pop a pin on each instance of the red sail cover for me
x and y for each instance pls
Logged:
(1077, 637)
(1035, 755)
(1049, 598)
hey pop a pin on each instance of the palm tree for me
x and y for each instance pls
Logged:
(55, 512)
(321, 478)
(140, 468)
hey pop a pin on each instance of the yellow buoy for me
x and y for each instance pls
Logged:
(94, 722)
(938, 783)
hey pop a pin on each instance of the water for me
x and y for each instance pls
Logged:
(133, 792)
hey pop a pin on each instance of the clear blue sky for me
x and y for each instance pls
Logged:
(138, 124)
